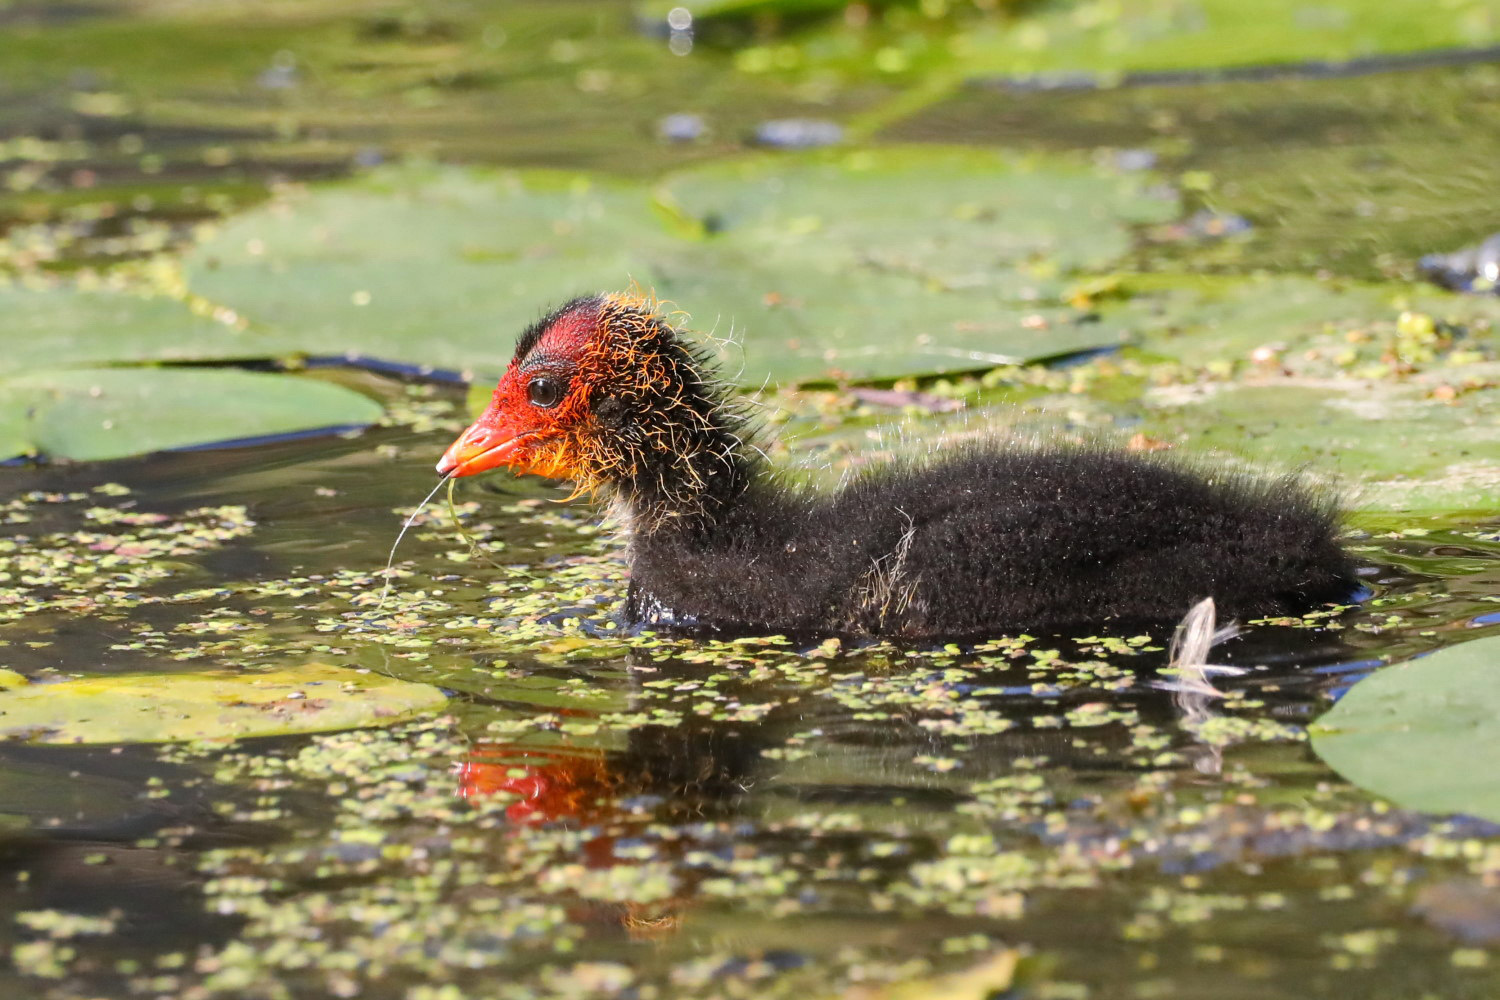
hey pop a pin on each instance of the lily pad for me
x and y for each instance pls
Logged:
(980, 209)
(1198, 319)
(437, 268)
(1393, 443)
(822, 266)
(825, 266)
(57, 325)
(1202, 319)
(90, 414)
(1423, 733)
(164, 708)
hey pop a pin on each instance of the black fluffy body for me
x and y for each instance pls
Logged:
(977, 540)
(982, 540)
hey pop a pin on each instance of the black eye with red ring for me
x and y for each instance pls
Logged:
(544, 392)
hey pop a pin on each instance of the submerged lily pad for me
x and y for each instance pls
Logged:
(164, 708)
(42, 795)
(1424, 733)
(821, 265)
(91, 414)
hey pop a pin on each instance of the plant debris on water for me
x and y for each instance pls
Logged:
(250, 748)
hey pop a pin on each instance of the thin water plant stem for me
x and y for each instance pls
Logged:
(411, 519)
(458, 525)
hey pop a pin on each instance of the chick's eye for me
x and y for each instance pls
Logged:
(543, 392)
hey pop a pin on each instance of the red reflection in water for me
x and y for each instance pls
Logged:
(559, 784)
(549, 784)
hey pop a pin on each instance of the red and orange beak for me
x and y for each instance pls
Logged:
(537, 443)
(489, 442)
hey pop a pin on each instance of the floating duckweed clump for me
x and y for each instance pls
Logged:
(112, 556)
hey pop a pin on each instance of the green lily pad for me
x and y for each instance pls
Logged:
(820, 266)
(1423, 733)
(825, 266)
(1199, 319)
(101, 413)
(163, 708)
(52, 326)
(1394, 445)
(979, 210)
(1418, 440)
(437, 268)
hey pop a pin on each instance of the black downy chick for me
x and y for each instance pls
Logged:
(975, 540)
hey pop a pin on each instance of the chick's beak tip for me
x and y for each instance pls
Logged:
(477, 449)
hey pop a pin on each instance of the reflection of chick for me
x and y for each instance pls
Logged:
(566, 785)
(555, 784)
(980, 539)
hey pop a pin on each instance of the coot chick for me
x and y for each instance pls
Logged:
(975, 540)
